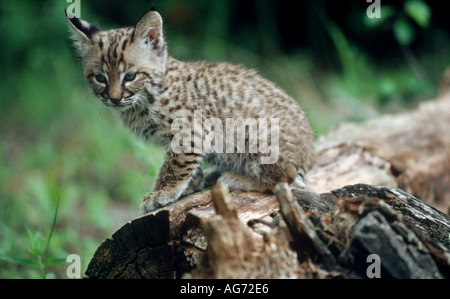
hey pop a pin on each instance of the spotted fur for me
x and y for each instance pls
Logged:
(130, 69)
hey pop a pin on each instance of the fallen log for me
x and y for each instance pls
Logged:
(309, 241)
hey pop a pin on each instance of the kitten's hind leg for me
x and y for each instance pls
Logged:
(235, 180)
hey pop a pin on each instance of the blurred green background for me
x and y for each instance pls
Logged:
(60, 145)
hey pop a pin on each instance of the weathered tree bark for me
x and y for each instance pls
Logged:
(327, 231)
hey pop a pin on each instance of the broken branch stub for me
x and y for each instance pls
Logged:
(306, 241)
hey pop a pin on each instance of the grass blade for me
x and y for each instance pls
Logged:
(46, 260)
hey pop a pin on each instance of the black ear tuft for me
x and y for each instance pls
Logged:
(153, 8)
(83, 26)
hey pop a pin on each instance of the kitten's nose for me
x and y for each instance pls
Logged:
(115, 91)
(115, 101)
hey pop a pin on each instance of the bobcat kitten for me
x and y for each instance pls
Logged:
(130, 70)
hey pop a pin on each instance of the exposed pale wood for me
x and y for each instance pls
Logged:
(410, 151)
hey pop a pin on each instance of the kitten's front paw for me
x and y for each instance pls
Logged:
(155, 200)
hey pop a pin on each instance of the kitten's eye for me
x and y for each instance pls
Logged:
(130, 77)
(101, 79)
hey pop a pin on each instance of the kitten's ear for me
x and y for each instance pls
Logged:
(150, 29)
(83, 32)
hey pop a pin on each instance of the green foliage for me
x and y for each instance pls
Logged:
(403, 32)
(38, 248)
(402, 27)
(363, 79)
(402, 21)
(419, 11)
